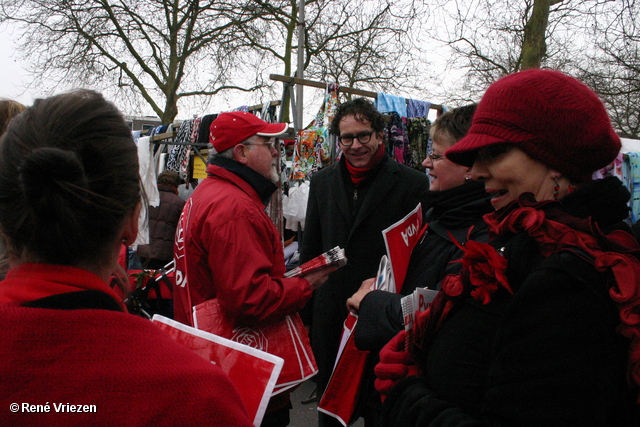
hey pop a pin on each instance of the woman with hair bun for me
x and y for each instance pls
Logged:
(69, 199)
(8, 110)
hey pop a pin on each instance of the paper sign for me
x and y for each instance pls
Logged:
(252, 372)
(400, 239)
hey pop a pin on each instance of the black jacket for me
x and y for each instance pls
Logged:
(547, 355)
(334, 218)
(456, 212)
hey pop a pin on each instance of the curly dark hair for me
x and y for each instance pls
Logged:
(362, 109)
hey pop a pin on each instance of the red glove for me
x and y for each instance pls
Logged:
(395, 364)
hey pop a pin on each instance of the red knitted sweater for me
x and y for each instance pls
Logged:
(119, 368)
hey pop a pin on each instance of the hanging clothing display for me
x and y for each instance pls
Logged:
(397, 139)
(633, 184)
(179, 157)
(313, 149)
(417, 108)
(203, 132)
(616, 168)
(625, 167)
(180, 153)
(407, 140)
(386, 103)
(147, 170)
(184, 166)
(419, 142)
(268, 112)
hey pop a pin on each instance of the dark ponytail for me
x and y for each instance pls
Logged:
(68, 178)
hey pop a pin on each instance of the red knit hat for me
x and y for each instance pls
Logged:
(552, 117)
(230, 129)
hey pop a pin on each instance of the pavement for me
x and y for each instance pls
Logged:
(305, 407)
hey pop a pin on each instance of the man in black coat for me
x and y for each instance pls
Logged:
(350, 203)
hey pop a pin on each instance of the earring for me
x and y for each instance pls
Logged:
(125, 241)
(556, 189)
(467, 178)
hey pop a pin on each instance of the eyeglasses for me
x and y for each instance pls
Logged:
(271, 145)
(435, 157)
(362, 137)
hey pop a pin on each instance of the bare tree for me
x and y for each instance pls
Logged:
(595, 40)
(160, 50)
(364, 43)
(534, 44)
(612, 66)
(376, 49)
(492, 38)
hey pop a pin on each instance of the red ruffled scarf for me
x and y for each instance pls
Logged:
(483, 268)
(359, 175)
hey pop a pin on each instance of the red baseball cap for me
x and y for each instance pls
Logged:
(230, 129)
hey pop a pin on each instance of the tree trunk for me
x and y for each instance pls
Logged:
(170, 110)
(534, 46)
(291, 30)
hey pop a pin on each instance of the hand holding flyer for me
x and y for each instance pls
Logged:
(413, 303)
(333, 257)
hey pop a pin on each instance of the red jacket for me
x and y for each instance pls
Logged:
(125, 370)
(228, 248)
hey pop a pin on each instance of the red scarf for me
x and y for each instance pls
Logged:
(358, 175)
(483, 269)
(29, 282)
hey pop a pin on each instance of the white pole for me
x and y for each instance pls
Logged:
(300, 71)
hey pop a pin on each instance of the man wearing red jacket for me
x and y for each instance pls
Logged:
(228, 248)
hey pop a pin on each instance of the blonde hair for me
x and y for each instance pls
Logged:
(452, 126)
(8, 110)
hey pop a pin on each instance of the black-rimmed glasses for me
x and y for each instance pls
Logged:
(362, 137)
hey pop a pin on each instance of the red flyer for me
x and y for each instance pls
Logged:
(252, 372)
(286, 338)
(341, 396)
(400, 239)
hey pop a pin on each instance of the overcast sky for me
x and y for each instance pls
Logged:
(12, 75)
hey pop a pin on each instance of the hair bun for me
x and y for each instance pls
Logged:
(48, 172)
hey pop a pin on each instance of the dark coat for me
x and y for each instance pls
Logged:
(163, 221)
(334, 218)
(547, 355)
(456, 212)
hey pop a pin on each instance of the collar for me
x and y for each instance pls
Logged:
(457, 207)
(360, 175)
(262, 186)
(31, 281)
